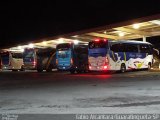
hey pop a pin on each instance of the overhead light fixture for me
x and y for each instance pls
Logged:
(19, 47)
(76, 41)
(136, 26)
(75, 36)
(105, 32)
(60, 40)
(121, 34)
(31, 45)
(44, 43)
(22, 50)
(155, 22)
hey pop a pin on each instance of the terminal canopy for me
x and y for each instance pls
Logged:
(132, 29)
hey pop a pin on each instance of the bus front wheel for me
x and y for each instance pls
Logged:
(79, 71)
(49, 70)
(149, 66)
(22, 69)
(72, 71)
(39, 70)
(123, 68)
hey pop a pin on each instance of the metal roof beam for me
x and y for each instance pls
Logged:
(133, 31)
(157, 22)
(82, 38)
(102, 35)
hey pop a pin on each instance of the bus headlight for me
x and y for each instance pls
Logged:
(56, 61)
(34, 63)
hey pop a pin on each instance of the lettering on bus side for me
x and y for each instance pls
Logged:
(139, 55)
(132, 55)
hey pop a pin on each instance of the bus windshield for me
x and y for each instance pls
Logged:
(29, 53)
(97, 44)
(17, 55)
(5, 58)
(5, 55)
(64, 46)
(63, 54)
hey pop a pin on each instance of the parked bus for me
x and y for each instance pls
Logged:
(72, 57)
(11, 61)
(39, 59)
(0, 63)
(119, 55)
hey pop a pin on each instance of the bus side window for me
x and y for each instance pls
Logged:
(117, 47)
(131, 48)
(114, 47)
(144, 48)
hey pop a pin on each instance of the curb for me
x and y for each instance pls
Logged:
(154, 70)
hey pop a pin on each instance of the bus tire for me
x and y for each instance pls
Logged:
(72, 71)
(123, 68)
(48, 70)
(39, 70)
(149, 66)
(14, 70)
(22, 69)
(85, 71)
(79, 71)
(59, 70)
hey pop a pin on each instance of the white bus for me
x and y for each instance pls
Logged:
(119, 55)
(11, 61)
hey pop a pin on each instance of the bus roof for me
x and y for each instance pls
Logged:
(80, 43)
(129, 41)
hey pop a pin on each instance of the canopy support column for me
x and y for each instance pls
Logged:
(144, 38)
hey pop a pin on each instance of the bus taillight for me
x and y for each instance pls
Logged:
(34, 63)
(105, 67)
(56, 61)
(71, 61)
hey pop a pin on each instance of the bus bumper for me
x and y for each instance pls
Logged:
(63, 67)
(98, 68)
(29, 67)
(6, 67)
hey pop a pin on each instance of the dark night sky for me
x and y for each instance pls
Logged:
(26, 21)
